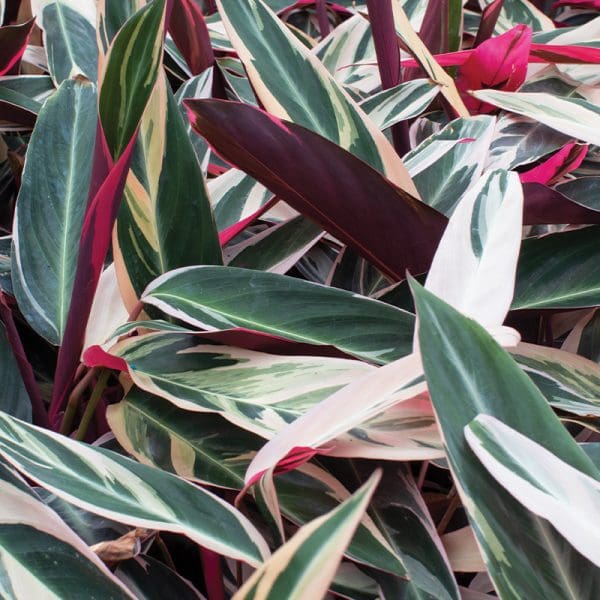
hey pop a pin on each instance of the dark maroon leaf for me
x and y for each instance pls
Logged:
(13, 41)
(324, 182)
(545, 206)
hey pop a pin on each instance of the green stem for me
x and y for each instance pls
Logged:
(90, 409)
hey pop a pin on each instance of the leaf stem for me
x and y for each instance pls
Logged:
(213, 574)
(90, 409)
(73, 402)
(39, 413)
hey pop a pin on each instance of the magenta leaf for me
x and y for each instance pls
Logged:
(567, 159)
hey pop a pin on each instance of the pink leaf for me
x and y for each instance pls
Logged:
(560, 163)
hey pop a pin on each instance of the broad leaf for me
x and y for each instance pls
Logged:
(382, 222)
(69, 37)
(51, 207)
(40, 556)
(468, 374)
(305, 566)
(571, 116)
(216, 298)
(256, 391)
(448, 163)
(311, 97)
(119, 488)
(571, 279)
(539, 480)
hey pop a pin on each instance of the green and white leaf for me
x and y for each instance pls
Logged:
(51, 207)
(256, 391)
(40, 556)
(69, 29)
(520, 141)
(569, 382)
(573, 117)
(235, 196)
(348, 53)
(469, 374)
(448, 163)
(571, 279)
(121, 489)
(405, 101)
(539, 480)
(293, 84)
(520, 11)
(474, 267)
(305, 566)
(217, 298)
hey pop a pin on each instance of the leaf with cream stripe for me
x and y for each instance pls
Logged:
(121, 489)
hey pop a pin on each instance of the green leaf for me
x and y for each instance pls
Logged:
(405, 101)
(469, 374)
(40, 557)
(14, 399)
(256, 391)
(131, 71)
(216, 298)
(51, 207)
(69, 38)
(121, 489)
(540, 481)
(293, 84)
(448, 163)
(560, 270)
(573, 117)
(305, 566)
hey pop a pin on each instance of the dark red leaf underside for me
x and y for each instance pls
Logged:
(13, 41)
(324, 182)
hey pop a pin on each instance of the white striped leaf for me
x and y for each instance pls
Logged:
(216, 298)
(348, 53)
(305, 566)
(364, 398)
(538, 479)
(256, 391)
(40, 556)
(475, 263)
(569, 382)
(521, 11)
(293, 84)
(469, 374)
(448, 163)
(121, 489)
(427, 62)
(235, 196)
(69, 37)
(520, 140)
(571, 279)
(404, 101)
(571, 116)
(51, 207)
(207, 449)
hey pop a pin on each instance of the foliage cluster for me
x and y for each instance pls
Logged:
(299, 299)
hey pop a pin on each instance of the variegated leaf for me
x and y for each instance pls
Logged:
(15, 399)
(258, 392)
(314, 99)
(462, 362)
(40, 556)
(539, 480)
(445, 165)
(573, 117)
(475, 263)
(305, 566)
(51, 207)
(216, 298)
(119, 488)
(69, 37)
(405, 101)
